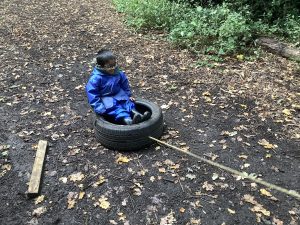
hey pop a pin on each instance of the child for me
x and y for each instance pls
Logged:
(109, 93)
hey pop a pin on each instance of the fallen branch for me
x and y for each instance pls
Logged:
(279, 48)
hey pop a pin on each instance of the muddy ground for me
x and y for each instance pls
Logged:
(242, 114)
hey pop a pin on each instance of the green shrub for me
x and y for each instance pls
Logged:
(213, 28)
(219, 30)
(161, 14)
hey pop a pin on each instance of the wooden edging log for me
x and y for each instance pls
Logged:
(279, 48)
(36, 174)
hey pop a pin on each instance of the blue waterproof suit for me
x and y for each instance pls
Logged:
(109, 94)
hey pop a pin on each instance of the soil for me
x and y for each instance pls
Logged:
(222, 112)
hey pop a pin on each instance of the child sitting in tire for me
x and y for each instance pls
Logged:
(109, 93)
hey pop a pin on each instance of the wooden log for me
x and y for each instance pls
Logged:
(34, 183)
(279, 48)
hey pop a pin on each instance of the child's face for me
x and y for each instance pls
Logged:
(110, 66)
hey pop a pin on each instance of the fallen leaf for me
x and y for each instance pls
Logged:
(81, 195)
(6, 167)
(206, 93)
(137, 191)
(266, 144)
(207, 186)
(103, 203)
(76, 176)
(39, 199)
(287, 112)
(243, 156)
(72, 196)
(215, 176)
(191, 176)
(39, 211)
(277, 221)
(265, 192)
(162, 170)
(168, 219)
(268, 156)
(63, 179)
(230, 134)
(231, 211)
(182, 210)
(240, 57)
(257, 207)
(195, 222)
(122, 159)
(261, 209)
(100, 181)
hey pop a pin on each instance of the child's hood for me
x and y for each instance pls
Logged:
(99, 71)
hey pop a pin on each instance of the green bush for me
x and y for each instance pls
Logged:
(161, 14)
(219, 30)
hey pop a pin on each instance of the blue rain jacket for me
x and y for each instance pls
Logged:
(102, 88)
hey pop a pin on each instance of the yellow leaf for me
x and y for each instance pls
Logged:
(268, 156)
(295, 106)
(174, 167)
(104, 204)
(76, 176)
(72, 196)
(63, 179)
(243, 106)
(182, 210)
(207, 186)
(207, 99)
(240, 57)
(152, 178)
(122, 159)
(206, 93)
(266, 144)
(81, 195)
(259, 208)
(231, 211)
(287, 112)
(6, 167)
(162, 170)
(265, 192)
(243, 156)
(100, 181)
(39, 199)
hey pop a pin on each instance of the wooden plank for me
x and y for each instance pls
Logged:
(34, 183)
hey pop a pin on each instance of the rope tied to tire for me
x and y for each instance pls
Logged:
(292, 193)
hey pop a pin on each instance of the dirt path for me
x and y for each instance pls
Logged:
(45, 50)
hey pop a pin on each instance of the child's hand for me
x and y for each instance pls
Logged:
(132, 99)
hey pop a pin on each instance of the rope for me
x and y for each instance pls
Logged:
(233, 171)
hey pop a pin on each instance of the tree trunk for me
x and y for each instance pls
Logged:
(279, 48)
